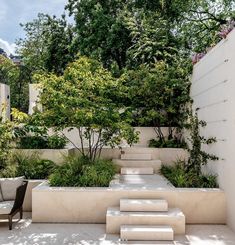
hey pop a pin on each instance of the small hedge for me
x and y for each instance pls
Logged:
(41, 142)
(80, 172)
(180, 177)
(173, 143)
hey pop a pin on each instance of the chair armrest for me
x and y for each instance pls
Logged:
(20, 194)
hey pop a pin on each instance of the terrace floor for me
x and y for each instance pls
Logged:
(25, 232)
(143, 181)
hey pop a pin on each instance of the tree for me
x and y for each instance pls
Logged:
(100, 30)
(46, 46)
(85, 98)
(202, 21)
(18, 78)
(159, 95)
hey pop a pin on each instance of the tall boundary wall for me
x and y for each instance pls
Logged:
(213, 92)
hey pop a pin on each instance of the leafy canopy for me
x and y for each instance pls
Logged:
(85, 97)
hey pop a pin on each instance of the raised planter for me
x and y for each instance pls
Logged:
(166, 155)
(146, 134)
(89, 205)
(55, 155)
(27, 206)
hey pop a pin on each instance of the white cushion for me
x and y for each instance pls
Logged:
(1, 198)
(9, 186)
(6, 207)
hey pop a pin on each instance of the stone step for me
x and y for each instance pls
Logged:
(136, 171)
(146, 233)
(155, 164)
(136, 156)
(146, 243)
(143, 205)
(173, 217)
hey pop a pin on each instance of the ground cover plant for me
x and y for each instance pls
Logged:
(80, 171)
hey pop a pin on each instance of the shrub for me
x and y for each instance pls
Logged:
(179, 176)
(81, 172)
(98, 174)
(42, 142)
(173, 143)
(69, 173)
(32, 167)
(56, 142)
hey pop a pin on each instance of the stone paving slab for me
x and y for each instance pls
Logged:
(140, 180)
(27, 233)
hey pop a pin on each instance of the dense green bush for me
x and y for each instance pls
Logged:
(173, 143)
(32, 167)
(81, 172)
(41, 142)
(179, 176)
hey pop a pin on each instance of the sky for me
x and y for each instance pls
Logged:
(14, 12)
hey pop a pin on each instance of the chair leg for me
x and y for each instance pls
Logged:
(10, 222)
(21, 213)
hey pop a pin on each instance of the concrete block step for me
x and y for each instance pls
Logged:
(146, 233)
(143, 205)
(146, 243)
(155, 164)
(116, 218)
(136, 156)
(134, 171)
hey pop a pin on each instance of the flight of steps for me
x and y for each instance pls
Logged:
(145, 220)
(137, 164)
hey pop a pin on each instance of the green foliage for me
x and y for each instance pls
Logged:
(41, 142)
(79, 171)
(100, 31)
(6, 137)
(46, 46)
(198, 157)
(18, 78)
(99, 174)
(86, 98)
(172, 143)
(56, 142)
(159, 96)
(180, 176)
(31, 167)
(202, 21)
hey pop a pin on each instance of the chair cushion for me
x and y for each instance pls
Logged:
(9, 186)
(1, 198)
(6, 207)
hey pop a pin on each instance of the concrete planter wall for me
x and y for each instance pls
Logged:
(146, 134)
(27, 206)
(166, 155)
(55, 155)
(89, 205)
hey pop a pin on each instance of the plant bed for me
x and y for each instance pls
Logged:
(179, 177)
(89, 205)
(80, 171)
(55, 155)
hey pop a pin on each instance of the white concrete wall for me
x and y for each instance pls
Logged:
(34, 91)
(5, 106)
(213, 91)
(146, 134)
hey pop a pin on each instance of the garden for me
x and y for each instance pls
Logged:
(113, 69)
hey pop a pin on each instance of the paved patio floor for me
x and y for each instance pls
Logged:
(25, 232)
